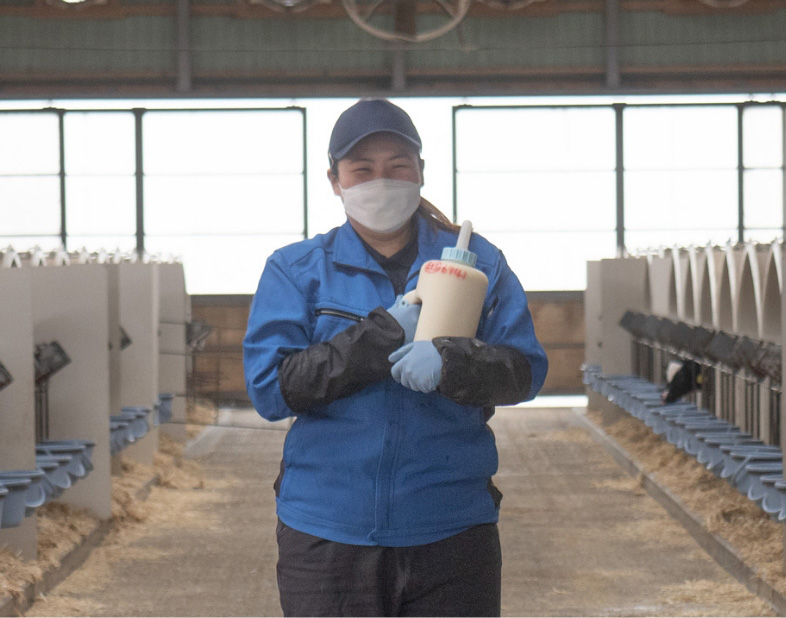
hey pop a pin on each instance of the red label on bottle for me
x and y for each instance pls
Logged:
(435, 266)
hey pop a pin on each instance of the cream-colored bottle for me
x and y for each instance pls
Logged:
(451, 291)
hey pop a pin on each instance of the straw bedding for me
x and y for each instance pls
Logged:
(61, 528)
(182, 489)
(723, 510)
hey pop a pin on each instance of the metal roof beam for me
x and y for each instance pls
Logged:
(183, 46)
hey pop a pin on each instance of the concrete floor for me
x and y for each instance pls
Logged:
(579, 539)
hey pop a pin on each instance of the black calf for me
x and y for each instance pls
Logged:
(687, 379)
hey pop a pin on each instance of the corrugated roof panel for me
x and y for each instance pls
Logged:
(570, 39)
(651, 39)
(302, 43)
(133, 43)
(223, 43)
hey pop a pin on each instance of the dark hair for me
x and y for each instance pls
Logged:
(435, 217)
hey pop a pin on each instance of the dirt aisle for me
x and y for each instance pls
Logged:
(579, 538)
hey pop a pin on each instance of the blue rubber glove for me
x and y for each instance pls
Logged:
(407, 316)
(417, 365)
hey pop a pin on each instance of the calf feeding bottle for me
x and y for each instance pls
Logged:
(451, 291)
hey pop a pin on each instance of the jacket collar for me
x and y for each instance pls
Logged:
(348, 249)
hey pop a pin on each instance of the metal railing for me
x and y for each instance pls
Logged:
(740, 378)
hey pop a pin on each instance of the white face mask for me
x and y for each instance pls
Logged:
(382, 205)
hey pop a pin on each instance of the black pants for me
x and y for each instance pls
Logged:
(458, 576)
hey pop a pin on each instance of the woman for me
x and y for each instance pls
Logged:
(385, 499)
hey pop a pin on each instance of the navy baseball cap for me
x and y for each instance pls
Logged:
(365, 117)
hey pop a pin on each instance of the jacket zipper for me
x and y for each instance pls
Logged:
(338, 313)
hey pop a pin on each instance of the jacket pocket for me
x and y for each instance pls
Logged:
(290, 454)
(333, 319)
(486, 313)
(496, 494)
(279, 478)
(337, 313)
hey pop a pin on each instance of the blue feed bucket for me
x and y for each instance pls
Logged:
(14, 505)
(36, 493)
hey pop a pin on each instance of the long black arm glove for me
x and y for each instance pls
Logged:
(479, 374)
(341, 366)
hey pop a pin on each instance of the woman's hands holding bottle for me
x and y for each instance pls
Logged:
(417, 365)
(406, 315)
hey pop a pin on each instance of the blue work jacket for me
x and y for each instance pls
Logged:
(385, 465)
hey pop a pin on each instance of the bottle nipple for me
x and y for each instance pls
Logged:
(461, 252)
